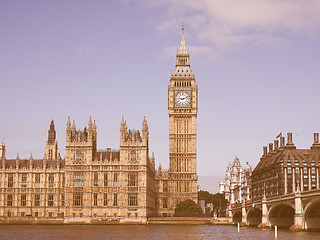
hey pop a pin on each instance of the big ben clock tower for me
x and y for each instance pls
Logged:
(183, 109)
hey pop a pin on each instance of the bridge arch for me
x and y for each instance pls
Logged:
(254, 216)
(237, 217)
(281, 215)
(312, 215)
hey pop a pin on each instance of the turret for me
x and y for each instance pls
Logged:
(90, 129)
(52, 144)
(68, 130)
(123, 130)
(3, 152)
(145, 132)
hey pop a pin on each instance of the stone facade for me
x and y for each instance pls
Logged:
(87, 184)
(237, 183)
(284, 169)
(110, 185)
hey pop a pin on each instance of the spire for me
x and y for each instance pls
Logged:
(74, 126)
(144, 124)
(183, 50)
(68, 123)
(182, 58)
(94, 125)
(90, 124)
(123, 124)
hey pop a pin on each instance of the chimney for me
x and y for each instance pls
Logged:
(316, 138)
(265, 150)
(270, 147)
(276, 144)
(289, 137)
(282, 141)
(289, 141)
(315, 141)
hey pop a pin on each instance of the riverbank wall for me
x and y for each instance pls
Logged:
(149, 221)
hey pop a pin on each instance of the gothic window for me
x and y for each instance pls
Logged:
(132, 179)
(50, 153)
(10, 180)
(50, 200)
(37, 180)
(37, 200)
(105, 199)
(133, 199)
(95, 179)
(9, 200)
(77, 199)
(115, 179)
(164, 203)
(165, 186)
(23, 200)
(77, 179)
(62, 200)
(63, 180)
(24, 180)
(51, 180)
(78, 157)
(115, 199)
(105, 180)
(95, 199)
(133, 156)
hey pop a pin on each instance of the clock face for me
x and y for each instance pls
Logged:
(182, 99)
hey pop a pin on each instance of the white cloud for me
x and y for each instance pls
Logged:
(79, 50)
(226, 23)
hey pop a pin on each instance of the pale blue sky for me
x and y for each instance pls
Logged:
(256, 64)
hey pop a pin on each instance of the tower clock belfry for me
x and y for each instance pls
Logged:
(183, 110)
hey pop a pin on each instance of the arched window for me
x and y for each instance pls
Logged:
(133, 156)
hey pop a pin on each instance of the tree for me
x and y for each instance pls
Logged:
(218, 200)
(187, 208)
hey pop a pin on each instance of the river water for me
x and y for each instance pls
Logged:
(134, 232)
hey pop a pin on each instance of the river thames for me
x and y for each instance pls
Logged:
(133, 232)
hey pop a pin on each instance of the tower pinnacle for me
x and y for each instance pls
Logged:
(183, 51)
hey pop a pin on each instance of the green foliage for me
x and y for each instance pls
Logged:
(187, 208)
(217, 199)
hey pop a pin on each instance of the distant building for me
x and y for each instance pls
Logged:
(283, 169)
(237, 182)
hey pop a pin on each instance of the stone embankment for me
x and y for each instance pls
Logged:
(188, 220)
(151, 221)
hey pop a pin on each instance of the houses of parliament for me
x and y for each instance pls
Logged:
(90, 186)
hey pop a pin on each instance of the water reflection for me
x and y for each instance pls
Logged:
(133, 232)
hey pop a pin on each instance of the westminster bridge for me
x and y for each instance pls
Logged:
(297, 211)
